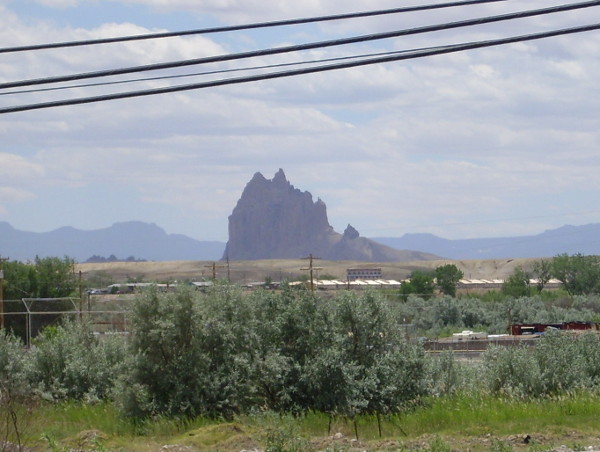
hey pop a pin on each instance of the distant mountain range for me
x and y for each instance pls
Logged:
(566, 239)
(150, 242)
(130, 239)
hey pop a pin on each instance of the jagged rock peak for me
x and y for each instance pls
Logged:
(350, 233)
(280, 178)
(258, 177)
(273, 219)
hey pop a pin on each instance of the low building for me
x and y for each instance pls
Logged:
(334, 284)
(353, 274)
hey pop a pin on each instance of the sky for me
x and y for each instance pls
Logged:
(496, 142)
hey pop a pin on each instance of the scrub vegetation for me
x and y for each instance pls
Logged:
(290, 370)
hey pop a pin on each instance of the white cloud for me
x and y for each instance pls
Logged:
(58, 3)
(418, 145)
(14, 195)
(16, 169)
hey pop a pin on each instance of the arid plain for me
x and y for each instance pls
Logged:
(289, 269)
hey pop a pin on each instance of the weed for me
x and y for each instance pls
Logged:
(98, 445)
(438, 445)
(500, 446)
(337, 448)
(52, 443)
(283, 440)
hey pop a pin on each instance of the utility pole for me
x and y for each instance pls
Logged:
(214, 267)
(228, 270)
(311, 268)
(2, 260)
(80, 297)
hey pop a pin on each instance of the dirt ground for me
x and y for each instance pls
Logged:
(277, 270)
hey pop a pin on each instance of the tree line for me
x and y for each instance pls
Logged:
(47, 277)
(578, 274)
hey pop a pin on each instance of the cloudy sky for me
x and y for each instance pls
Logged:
(501, 141)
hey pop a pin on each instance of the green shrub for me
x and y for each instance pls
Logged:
(224, 353)
(560, 362)
(447, 375)
(15, 392)
(70, 362)
(187, 359)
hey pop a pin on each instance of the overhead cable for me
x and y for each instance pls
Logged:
(276, 75)
(216, 71)
(230, 28)
(301, 47)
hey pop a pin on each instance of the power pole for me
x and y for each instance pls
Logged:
(228, 270)
(311, 268)
(80, 296)
(214, 267)
(2, 260)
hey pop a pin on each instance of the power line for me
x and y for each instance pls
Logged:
(279, 23)
(219, 71)
(301, 47)
(275, 75)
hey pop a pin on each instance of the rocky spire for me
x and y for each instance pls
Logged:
(273, 219)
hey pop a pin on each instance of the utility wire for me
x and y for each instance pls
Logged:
(279, 23)
(301, 47)
(219, 71)
(276, 75)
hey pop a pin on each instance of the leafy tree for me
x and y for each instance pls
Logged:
(406, 289)
(420, 283)
(517, 284)
(55, 277)
(542, 271)
(20, 280)
(447, 277)
(579, 274)
(48, 277)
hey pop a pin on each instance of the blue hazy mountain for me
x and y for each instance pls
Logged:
(150, 242)
(141, 240)
(566, 239)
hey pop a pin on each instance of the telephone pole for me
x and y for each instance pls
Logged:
(311, 268)
(228, 270)
(214, 267)
(2, 260)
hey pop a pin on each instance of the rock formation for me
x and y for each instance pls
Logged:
(274, 220)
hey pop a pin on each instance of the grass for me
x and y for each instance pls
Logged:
(461, 422)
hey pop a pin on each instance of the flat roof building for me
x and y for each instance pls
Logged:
(353, 274)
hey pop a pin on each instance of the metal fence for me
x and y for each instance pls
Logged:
(28, 317)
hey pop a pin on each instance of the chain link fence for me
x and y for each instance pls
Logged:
(27, 317)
